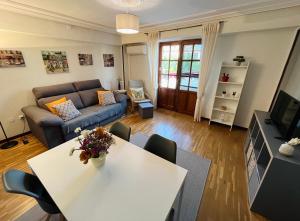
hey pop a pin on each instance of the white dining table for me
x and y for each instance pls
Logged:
(132, 185)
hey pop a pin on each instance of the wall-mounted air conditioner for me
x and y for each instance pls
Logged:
(136, 50)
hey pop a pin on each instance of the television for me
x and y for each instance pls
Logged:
(286, 115)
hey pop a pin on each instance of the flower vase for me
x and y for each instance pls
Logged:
(99, 161)
(286, 149)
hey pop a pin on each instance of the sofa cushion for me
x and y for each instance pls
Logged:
(51, 105)
(74, 97)
(106, 98)
(89, 97)
(66, 110)
(53, 90)
(91, 116)
(86, 85)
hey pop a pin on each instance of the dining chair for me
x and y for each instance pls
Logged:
(137, 84)
(19, 182)
(120, 130)
(162, 147)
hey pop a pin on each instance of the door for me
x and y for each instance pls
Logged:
(179, 66)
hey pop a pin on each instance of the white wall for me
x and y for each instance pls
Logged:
(16, 83)
(265, 38)
(293, 84)
(137, 68)
(291, 80)
(31, 35)
(24, 24)
(268, 51)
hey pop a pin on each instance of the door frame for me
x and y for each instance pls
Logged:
(177, 90)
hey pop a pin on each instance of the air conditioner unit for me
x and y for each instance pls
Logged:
(136, 50)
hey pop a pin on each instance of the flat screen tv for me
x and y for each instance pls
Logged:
(286, 115)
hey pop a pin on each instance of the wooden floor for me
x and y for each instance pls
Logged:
(225, 194)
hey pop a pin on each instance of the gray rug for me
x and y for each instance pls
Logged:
(197, 167)
(194, 185)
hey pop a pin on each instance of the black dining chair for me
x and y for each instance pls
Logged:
(162, 147)
(120, 130)
(16, 181)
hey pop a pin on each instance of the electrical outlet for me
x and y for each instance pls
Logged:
(21, 117)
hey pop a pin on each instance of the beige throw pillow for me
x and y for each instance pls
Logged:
(137, 93)
(106, 98)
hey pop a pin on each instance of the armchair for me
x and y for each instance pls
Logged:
(137, 84)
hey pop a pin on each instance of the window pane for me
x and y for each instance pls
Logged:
(187, 52)
(184, 81)
(172, 81)
(193, 89)
(194, 82)
(197, 47)
(174, 52)
(197, 52)
(166, 52)
(186, 66)
(164, 67)
(164, 80)
(195, 67)
(173, 67)
(183, 88)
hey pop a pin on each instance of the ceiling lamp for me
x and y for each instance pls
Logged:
(127, 23)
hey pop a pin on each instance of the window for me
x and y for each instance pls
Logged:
(180, 65)
(190, 67)
(169, 65)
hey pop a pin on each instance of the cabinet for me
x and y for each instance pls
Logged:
(273, 179)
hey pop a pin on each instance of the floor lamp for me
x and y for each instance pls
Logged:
(8, 143)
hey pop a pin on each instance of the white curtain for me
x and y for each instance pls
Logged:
(152, 46)
(209, 38)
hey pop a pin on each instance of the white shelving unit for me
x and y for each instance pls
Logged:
(225, 106)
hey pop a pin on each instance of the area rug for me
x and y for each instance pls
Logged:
(197, 167)
(193, 189)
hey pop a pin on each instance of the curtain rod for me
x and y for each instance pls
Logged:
(177, 29)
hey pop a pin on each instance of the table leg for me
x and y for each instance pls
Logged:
(179, 202)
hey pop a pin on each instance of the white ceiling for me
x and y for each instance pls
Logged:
(151, 12)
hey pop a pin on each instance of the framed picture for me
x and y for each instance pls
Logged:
(55, 61)
(108, 60)
(85, 59)
(11, 58)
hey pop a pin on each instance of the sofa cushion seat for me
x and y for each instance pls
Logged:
(92, 115)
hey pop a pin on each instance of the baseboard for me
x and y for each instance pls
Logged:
(16, 136)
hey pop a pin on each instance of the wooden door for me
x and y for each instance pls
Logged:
(178, 91)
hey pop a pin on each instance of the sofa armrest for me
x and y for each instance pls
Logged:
(42, 117)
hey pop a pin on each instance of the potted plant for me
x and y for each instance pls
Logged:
(225, 77)
(238, 60)
(94, 145)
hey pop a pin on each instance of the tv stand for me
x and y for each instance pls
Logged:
(273, 179)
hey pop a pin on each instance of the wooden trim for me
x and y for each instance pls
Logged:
(15, 137)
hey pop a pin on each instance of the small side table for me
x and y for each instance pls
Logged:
(146, 110)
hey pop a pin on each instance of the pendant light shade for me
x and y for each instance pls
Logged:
(127, 24)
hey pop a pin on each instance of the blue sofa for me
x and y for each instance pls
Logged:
(51, 130)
